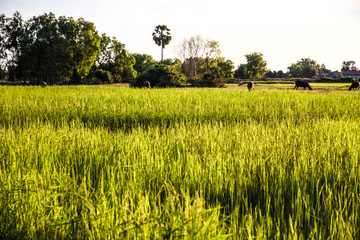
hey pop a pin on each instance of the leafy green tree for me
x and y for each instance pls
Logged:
(85, 47)
(62, 47)
(212, 52)
(270, 74)
(117, 60)
(212, 72)
(45, 56)
(105, 52)
(254, 68)
(160, 76)
(103, 76)
(143, 62)
(162, 37)
(256, 65)
(46, 46)
(175, 63)
(242, 72)
(226, 68)
(306, 68)
(275, 74)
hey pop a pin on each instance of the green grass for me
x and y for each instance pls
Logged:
(121, 163)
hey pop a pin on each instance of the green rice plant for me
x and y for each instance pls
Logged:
(120, 163)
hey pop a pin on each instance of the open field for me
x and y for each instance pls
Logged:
(315, 86)
(120, 163)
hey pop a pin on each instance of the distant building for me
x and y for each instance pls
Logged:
(332, 75)
(335, 74)
(351, 74)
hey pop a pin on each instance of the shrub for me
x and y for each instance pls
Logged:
(104, 76)
(347, 79)
(212, 79)
(160, 76)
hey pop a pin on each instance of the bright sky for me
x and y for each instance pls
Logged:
(285, 31)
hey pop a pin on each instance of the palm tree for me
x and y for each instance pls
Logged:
(162, 37)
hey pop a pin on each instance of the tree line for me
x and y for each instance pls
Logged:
(60, 50)
(67, 51)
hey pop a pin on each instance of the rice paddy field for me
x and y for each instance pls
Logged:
(103, 162)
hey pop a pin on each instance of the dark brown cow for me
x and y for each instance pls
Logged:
(146, 84)
(355, 84)
(250, 85)
(302, 83)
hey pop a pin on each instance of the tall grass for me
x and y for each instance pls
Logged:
(105, 163)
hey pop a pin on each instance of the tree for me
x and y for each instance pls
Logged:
(242, 72)
(117, 60)
(275, 74)
(85, 47)
(226, 68)
(270, 74)
(162, 37)
(256, 65)
(48, 52)
(190, 51)
(198, 56)
(254, 68)
(143, 62)
(46, 46)
(348, 66)
(13, 43)
(323, 71)
(175, 63)
(160, 76)
(3, 54)
(103, 76)
(281, 74)
(105, 53)
(212, 52)
(213, 77)
(306, 68)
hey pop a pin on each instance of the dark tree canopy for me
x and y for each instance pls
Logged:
(241, 72)
(48, 47)
(160, 76)
(348, 66)
(61, 50)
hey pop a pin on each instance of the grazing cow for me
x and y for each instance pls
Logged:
(250, 85)
(302, 83)
(146, 84)
(355, 84)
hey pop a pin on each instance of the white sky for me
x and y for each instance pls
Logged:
(285, 31)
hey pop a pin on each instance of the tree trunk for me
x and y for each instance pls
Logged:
(162, 54)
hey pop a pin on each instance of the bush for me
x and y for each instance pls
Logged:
(160, 76)
(326, 79)
(347, 80)
(103, 76)
(209, 80)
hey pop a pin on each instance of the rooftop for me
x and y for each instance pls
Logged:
(350, 72)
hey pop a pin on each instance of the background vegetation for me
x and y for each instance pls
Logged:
(106, 162)
(67, 51)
